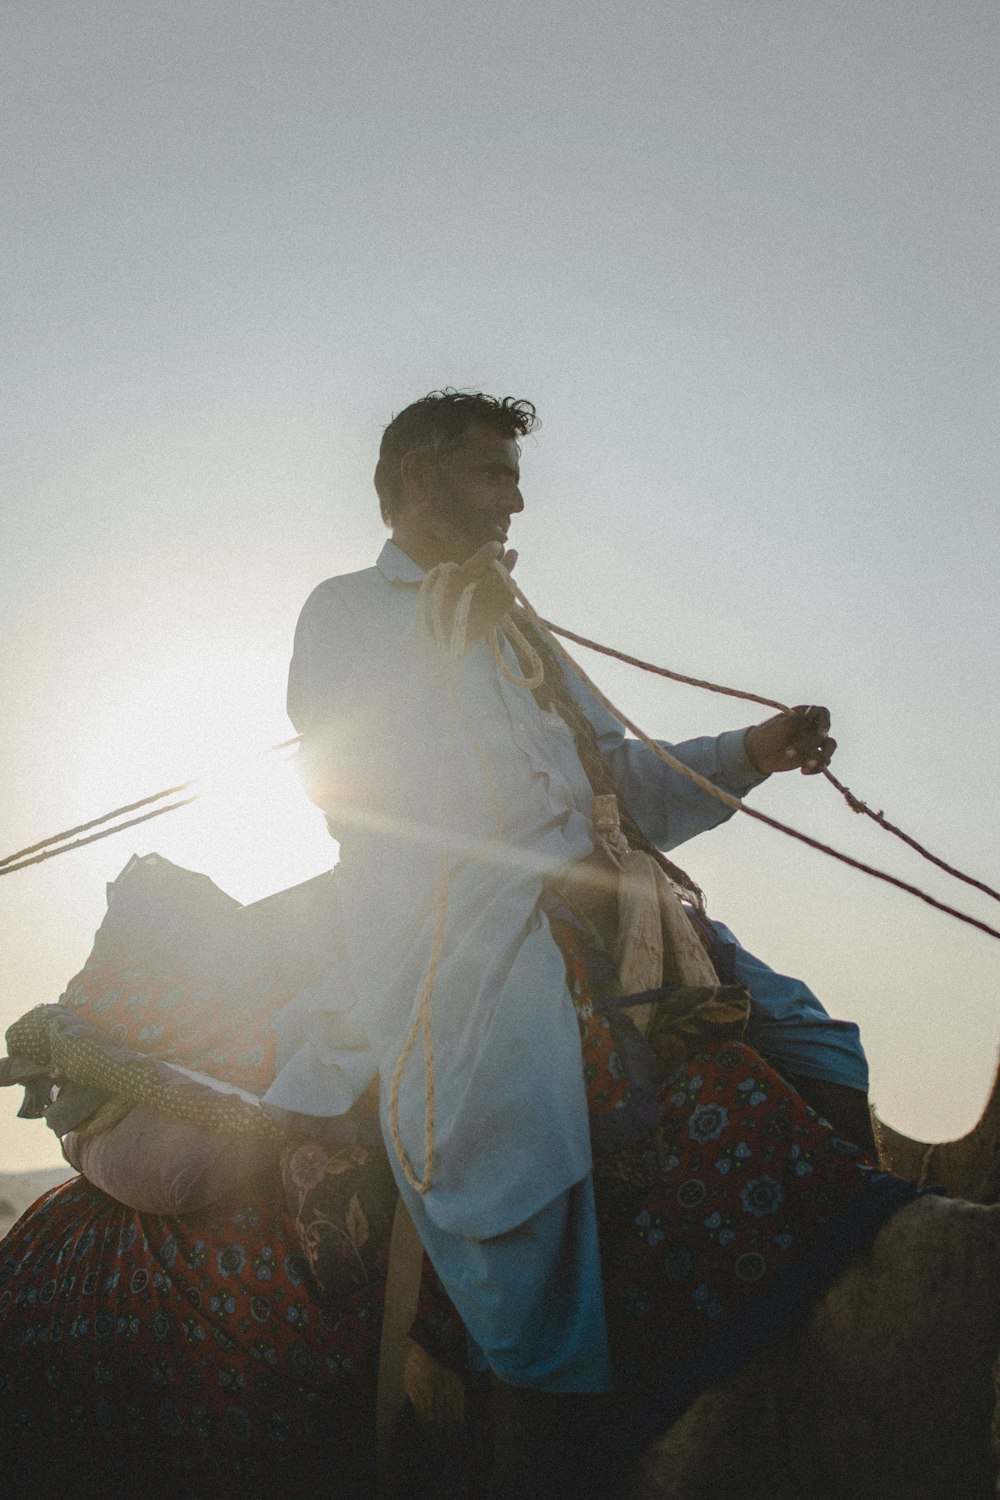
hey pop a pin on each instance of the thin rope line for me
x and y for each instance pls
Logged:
(422, 1024)
(19, 860)
(752, 812)
(855, 803)
(925, 1164)
(648, 666)
(431, 607)
(57, 838)
(9, 869)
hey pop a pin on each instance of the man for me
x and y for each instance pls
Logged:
(458, 796)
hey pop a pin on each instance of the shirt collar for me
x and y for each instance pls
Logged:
(396, 565)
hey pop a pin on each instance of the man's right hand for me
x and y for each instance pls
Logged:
(796, 740)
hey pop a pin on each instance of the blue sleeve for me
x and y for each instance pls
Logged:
(791, 1029)
(668, 808)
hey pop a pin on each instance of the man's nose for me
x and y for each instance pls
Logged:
(516, 501)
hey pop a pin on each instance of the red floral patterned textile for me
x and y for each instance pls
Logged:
(179, 1359)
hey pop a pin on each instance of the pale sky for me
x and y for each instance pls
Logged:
(742, 256)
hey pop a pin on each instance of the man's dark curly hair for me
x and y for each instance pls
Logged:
(436, 424)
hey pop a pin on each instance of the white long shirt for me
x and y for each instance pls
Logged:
(402, 768)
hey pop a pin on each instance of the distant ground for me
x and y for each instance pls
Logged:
(18, 1191)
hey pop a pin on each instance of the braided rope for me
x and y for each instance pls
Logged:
(421, 1024)
(20, 860)
(647, 666)
(10, 868)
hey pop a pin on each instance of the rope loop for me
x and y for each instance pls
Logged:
(536, 674)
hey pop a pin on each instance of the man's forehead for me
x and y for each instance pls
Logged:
(481, 441)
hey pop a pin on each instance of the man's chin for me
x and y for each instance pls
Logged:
(463, 539)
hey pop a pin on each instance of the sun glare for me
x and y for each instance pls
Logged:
(211, 716)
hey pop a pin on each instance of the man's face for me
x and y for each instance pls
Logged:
(475, 492)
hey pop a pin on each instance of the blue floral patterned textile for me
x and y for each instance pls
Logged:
(720, 1226)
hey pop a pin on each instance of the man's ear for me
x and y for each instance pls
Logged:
(417, 471)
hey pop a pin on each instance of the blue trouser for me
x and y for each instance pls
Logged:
(531, 1299)
(790, 1028)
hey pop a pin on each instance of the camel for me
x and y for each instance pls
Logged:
(968, 1167)
(823, 1415)
(885, 1391)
